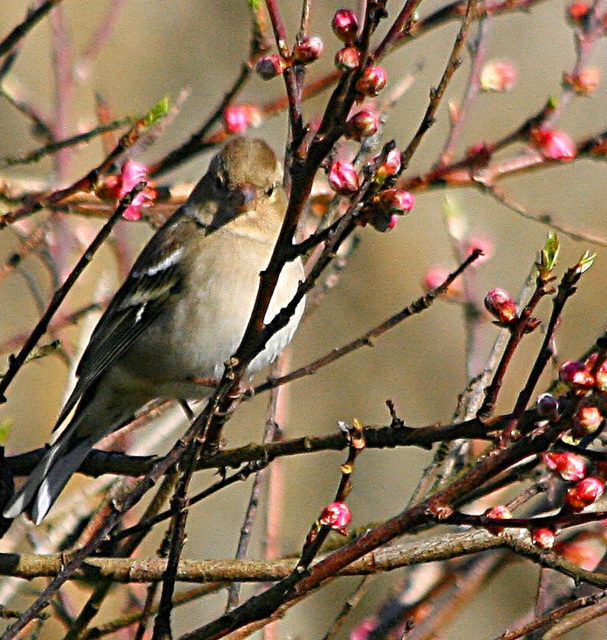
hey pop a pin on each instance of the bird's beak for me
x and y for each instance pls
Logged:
(242, 196)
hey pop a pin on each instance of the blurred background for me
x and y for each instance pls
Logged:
(159, 48)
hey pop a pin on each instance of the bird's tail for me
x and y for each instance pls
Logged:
(50, 475)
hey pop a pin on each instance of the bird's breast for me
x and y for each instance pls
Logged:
(205, 326)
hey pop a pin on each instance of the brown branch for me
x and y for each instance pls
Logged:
(260, 481)
(22, 29)
(38, 122)
(545, 218)
(398, 435)
(127, 570)
(293, 75)
(398, 30)
(559, 521)
(29, 244)
(103, 587)
(294, 587)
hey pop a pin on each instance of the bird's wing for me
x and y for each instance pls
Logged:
(155, 276)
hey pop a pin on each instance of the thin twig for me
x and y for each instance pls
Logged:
(137, 616)
(437, 93)
(22, 29)
(38, 154)
(350, 604)
(416, 307)
(259, 483)
(479, 52)
(554, 616)
(100, 37)
(63, 65)
(88, 182)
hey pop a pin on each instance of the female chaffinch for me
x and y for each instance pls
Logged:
(180, 314)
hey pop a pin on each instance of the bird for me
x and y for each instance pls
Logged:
(179, 315)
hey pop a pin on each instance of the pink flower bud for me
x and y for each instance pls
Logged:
(308, 49)
(269, 67)
(481, 243)
(479, 149)
(396, 201)
(132, 174)
(343, 177)
(347, 59)
(554, 145)
(601, 374)
(543, 538)
(585, 553)
(498, 75)
(392, 222)
(584, 493)
(239, 117)
(501, 306)
(116, 187)
(435, 276)
(345, 25)
(110, 188)
(381, 220)
(133, 211)
(577, 12)
(362, 124)
(499, 512)
(362, 630)
(389, 167)
(576, 375)
(570, 466)
(548, 406)
(585, 82)
(372, 81)
(337, 516)
(586, 421)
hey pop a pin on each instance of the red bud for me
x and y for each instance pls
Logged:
(345, 25)
(343, 177)
(585, 493)
(362, 124)
(500, 305)
(372, 81)
(347, 59)
(337, 516)
(269, 67)
(308, 49)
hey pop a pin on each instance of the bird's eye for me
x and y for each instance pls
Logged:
(270, 191)
(220, 182)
